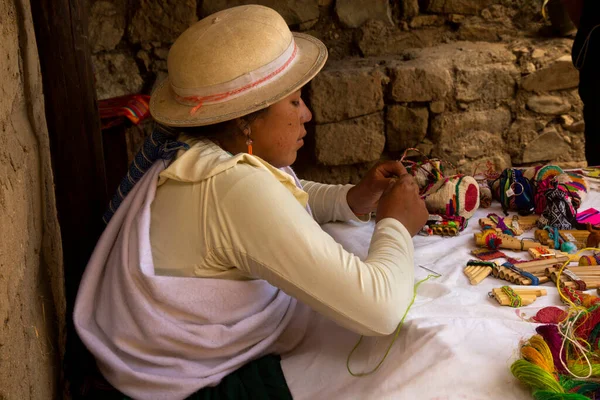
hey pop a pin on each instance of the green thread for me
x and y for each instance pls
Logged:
(361, 374)
(457, 196)
(515, 299)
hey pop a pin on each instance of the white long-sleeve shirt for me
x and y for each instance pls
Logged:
(236, 217)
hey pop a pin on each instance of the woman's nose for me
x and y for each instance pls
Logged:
(305, 115)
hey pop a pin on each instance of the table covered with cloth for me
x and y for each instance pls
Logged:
(456, 342)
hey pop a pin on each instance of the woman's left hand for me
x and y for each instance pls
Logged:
(364, 197)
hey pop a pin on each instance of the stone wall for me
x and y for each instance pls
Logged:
(32, 306)
(466, 80)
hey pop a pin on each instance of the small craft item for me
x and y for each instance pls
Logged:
(576, 184)
(560, 361)
(590, 216)
(483, 180)
(541, 253)
(522, 276)
(487, 254)
(541, 173)
(589, 260)
(453, 195)
(493, 221)
(580, 278)
(594, 239)
(445, 225)
(525, 222)
(516, 297)
(544, 253)
(514, 192)
(592, 172)
(524, 273)
(117, 110)
(426, 231)
(559, 211)
(493, 241)
(477, 270)
(549, 237)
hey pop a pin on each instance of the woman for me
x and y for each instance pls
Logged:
(209, 261)
(586, 58)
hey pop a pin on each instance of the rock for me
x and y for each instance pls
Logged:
(500, 161)
(472, 145)
(529, 68)
(551, 105)
(486, 14)
(521, 132)
(538, 53)
(548, 146)
(456, 18)
(571, 164)
(520, 51)
(458, 6)
(116, 74)
(145, 57)
(161, 20)
(106, 25)
(419, 81)
(161, 52)
(376, 38)
(577, 127)
(470, 54)
(325, 3)
(406, 127)
(567, 139)
(426, 147)
(352, 141)
(566, 120)
(437, 107)
(158, 65)
(558, 76)
(354, 13)
(488, 83)
(410, 8)
(449, 124)
(479, 32)
(295, 12)
(160, 76)
(354, 91)
(333, 175)
(427, 20)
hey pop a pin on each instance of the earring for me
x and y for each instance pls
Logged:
(248, 140)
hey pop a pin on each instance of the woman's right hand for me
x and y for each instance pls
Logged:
(402, 202)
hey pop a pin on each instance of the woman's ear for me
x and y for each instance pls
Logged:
(242, 124)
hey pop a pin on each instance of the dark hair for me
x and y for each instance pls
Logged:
(222, 130)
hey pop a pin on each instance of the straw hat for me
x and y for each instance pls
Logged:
(232, 63)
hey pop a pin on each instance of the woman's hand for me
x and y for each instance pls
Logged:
(364, 197)
(403, 203)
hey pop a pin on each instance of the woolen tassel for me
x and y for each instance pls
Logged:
(536, 377)
(537, 352)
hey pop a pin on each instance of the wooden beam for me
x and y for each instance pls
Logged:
(76, 148)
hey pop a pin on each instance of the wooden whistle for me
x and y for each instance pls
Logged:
(527, 296)
(508, 242)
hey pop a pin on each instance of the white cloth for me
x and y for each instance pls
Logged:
(456, 343)
(160, 337)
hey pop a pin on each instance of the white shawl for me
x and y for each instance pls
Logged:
(157, 337)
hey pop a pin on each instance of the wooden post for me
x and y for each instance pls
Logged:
(76, 148)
